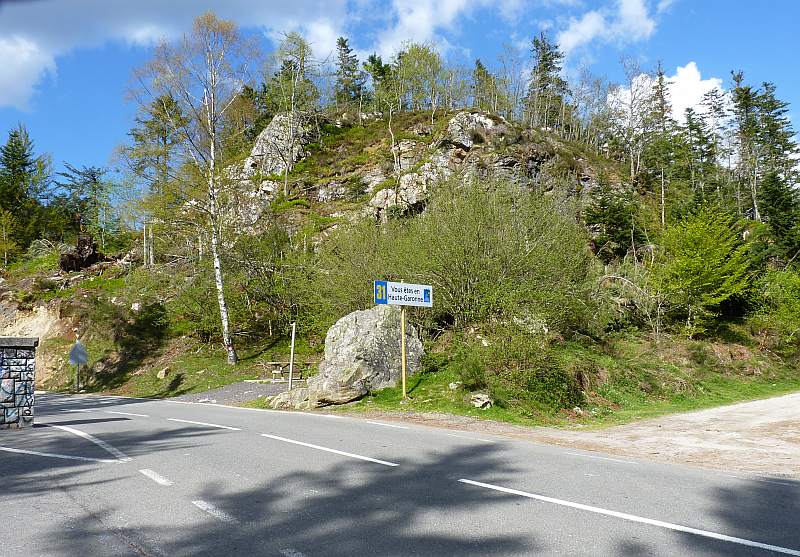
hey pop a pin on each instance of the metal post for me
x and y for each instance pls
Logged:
(291, 356)
(403, 347)
(78, 378)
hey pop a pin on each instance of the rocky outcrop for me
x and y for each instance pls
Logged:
(467, 129)
(362, 354)
(273, 152)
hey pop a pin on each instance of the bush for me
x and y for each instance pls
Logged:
(488, 253)
(528, 375)
(470, 369)
(703, 265)
(780, 304)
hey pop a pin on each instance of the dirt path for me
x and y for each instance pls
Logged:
(761, 437)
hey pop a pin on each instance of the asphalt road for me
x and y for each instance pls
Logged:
(112, 476)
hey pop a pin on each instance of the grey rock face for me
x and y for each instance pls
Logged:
(272, 152)
(468, 128)
(362, 354)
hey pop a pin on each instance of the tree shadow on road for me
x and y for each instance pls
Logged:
(344, 509)
(761, 510)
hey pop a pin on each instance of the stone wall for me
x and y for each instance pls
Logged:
(17, 373)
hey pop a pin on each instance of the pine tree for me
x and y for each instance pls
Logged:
(745, 105)
(547, 90)
(349, 79)
(659, 127)
(484, 88)
(17, 167)
(780, 206)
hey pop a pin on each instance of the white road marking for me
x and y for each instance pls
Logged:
(639, 519)
(213, 511)
(326, 449)
(388, 425)
(765, 480)
(289, 552)
(64, 456)
(127, 414)
(75, 410)
(470, 438)
(204, 423)
(158, 478)
(99, 442)
(602, 458)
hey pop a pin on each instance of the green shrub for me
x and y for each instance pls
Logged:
(487, 252)
(703, 265)
(470, 369)
(780, 304)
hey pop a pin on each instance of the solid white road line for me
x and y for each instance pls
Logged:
(75, 410)
(127, 414)
(602, 458)
(204, 423)
(158, 478)
(289, 552)
(213, 511)
(388, 425)
(639, 519)
(326, 449)
(99, 442)
(64, 456)
(470, 438)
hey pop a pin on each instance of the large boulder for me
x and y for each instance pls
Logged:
(362, 354)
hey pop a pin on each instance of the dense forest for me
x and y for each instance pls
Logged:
(687, 232)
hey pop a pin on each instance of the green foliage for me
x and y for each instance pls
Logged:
(780, 308)
(703, 265)
(781, 208)
(614, 213)
(500, 252)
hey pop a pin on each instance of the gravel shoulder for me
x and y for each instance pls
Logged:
(237, 393)
(758, 437)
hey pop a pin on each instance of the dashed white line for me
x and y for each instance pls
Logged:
(156, 477)
(388, 425)
(213, 511)
(77, 410)
(64, 456)
(602, 458)
(329, 450)
(204, 423)
(639, 519)
(126, 414)
(99, 442)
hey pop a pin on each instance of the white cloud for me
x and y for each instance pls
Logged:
(664, 5)
(24, 64)
(628, 22)
(42, 31)
(424, 20)
(582, 31)
(687, 87)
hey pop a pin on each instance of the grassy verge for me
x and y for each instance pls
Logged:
(635, 380)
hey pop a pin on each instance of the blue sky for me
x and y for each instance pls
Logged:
(65, 67)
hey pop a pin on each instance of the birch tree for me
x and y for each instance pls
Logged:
(204, 72)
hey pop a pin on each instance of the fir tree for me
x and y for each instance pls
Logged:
(349, 79)
(781, 209)
(547, 90)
